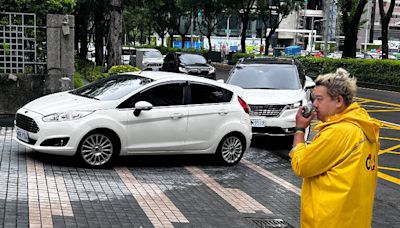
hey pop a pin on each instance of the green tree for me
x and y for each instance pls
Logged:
(245, 9)
(385, 19)
(351, 11)
(212, 14)
(272, 12)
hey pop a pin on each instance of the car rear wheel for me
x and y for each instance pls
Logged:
(230, 150)
(97, 149)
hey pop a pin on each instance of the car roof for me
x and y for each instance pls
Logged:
(168, 76)
(147, 49)
(267, 60)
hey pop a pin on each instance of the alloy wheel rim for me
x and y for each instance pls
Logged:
(97, 149)
(231, 149)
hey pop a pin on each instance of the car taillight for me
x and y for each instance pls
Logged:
(244, 105)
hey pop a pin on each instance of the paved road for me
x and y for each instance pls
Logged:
(166, 191)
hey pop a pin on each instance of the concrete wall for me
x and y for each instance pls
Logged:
(60, 53)
(16, 91)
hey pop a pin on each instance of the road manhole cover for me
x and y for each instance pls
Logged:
(268, 222)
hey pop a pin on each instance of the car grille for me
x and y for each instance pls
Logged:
(266, 110)
(198, 72)
(154, 65)
(26, 123)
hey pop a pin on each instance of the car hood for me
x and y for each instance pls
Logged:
(272, 96)
(64, 101)
(198, 65)
(153, 60)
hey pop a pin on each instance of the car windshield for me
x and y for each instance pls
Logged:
(266, 77)
(152, 54)
(189, 59)
(112, 88)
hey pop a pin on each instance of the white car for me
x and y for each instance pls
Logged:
(138, 113)
(274, 89)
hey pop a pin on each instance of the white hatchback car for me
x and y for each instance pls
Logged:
(274, 88)
(138, 113)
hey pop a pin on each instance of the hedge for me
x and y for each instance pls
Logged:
(378, 71)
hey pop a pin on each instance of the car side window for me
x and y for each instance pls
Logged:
(203, 94)
(162, 95)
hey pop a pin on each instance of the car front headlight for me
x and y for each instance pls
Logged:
(183, 69)
(66, 116)
(295, 105)
(212, 70)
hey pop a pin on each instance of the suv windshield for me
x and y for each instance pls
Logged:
(112, 88)
(189, 59)
(152, 54)
(269, 76)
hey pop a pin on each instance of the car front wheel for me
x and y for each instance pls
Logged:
(97, 149)
(230, 150)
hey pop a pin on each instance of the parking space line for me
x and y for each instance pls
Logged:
(379, 102)
(393, 152)
(388, 138)
(389, 168)
(159, 209)
(235, 197)
(272, 177)
(389, 178)
(389, 149)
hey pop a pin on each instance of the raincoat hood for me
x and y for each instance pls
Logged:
(358, 116)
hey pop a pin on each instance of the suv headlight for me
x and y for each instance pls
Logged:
(183, 69)
(212, 70)
(66, 116)
(295, 105)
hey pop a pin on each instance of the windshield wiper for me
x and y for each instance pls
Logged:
(82, 95)
(261, 88)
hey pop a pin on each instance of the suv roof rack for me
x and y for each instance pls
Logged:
(267, 60)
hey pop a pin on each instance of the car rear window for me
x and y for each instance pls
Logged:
(269, 76)
(112, 88)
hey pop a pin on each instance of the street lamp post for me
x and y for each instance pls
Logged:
(312, 31)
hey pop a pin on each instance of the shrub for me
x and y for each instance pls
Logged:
(77, 80)
(121, 69)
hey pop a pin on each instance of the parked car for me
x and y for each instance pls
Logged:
(274, 88)
(188, 63)
(147, 59)
(127, 52)
(138, 113)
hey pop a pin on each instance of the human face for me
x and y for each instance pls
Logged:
(324, 105)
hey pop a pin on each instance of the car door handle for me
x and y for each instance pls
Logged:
(176, 116)
(223, 112)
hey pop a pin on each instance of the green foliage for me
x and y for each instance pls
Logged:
(89, 71)
(121, 69)
(77, 80)
(385, 72)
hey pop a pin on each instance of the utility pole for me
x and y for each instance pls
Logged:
(326, 30)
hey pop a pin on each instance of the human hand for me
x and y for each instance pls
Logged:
(301, 121)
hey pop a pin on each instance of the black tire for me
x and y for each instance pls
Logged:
(231, 149)
(98, 149)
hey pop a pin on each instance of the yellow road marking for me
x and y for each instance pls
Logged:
(384, 110)
(389, 168)
(389, 178)
(380, 106)
(388, 138)
(389, 149)
(393, 152)
(380, 102)
(392, 126)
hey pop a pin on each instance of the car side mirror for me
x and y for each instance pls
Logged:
(309, 83)
(142, 106)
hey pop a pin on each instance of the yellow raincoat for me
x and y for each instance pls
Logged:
(339, 170)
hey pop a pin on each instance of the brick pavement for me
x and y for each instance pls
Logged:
(40, 190)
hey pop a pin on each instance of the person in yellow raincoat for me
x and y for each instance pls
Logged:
(339, 167)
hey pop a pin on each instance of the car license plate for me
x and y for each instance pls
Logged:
(22, 135)
(257, 122)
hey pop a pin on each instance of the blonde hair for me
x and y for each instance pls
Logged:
(339, 84)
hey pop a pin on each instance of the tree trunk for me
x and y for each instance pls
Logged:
(385, 33)
(183, 40)
(209, 41)
(266, 51)
(82, 38)
(115, 31)
(245, 22)
(99, 38)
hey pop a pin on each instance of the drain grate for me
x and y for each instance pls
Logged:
(268, 222)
